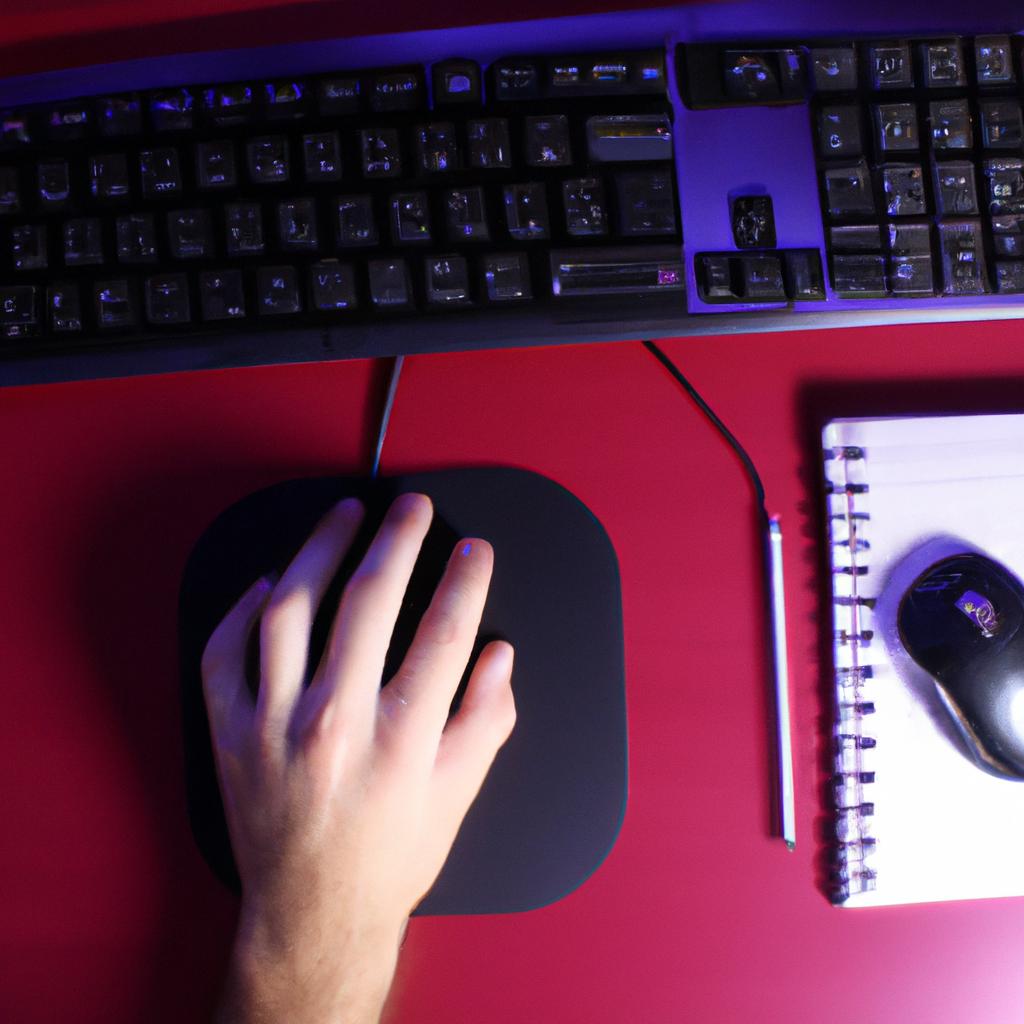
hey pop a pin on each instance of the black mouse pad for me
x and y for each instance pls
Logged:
(553, 803)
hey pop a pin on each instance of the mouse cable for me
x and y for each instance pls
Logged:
(748, 463)
(389, 402)
(775, 592)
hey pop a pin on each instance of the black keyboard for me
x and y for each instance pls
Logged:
(213, 215)
(260, 207)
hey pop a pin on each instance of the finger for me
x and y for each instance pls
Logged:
(475, 733)
(288, 620)
(369, 607)
(429, 675)
(229, 704)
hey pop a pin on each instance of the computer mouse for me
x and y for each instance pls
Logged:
(554, 800)
(961, 620)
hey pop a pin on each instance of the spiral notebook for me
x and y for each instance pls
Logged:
(915, 820)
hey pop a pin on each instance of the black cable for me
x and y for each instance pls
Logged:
(748, 463)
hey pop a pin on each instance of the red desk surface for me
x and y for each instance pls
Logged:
(108, 912)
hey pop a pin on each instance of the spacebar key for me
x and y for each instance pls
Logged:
(639, 269)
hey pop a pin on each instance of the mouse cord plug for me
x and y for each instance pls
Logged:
(748, 463)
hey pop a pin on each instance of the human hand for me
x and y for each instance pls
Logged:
(343, 799)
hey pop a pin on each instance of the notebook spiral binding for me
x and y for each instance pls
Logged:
(849, 520)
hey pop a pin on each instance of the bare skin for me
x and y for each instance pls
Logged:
(343, 799)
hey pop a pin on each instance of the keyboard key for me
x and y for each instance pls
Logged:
(753, 222)
(222, 295)
(356, 222)
(381, 153)
(1008, 236)
(286, 99)
(943, 63)
(108, 175)
(751, 75)
(856, 238)
(955, 193)
(963, 258)
(466, 215)
(910, 260)
(136, 238)
(116, 304)
(715, 278)
(244, 235)
(896, 127)
(10, 194)
(171, 110)
(635, 270)
(19, 317)
(68, 122)
(167, 299)
(296, 224)
(321, 156)
(215, 164)
(993, 60)
(547, 141)
(190, 234)
(83, 242)
(54, 184)
(526, 211)
(390, 286)
(392, 91)
(951, 124)
(1009, 276)
(28, 247)
(615, 137)
(516, 78)
(410, 218)
(848, 190)
(646, 203)
(1005, 185)
(761, 278)
(586, 210)
(834, 68)
(339, 95)
(890, 66)
(63, 308)
(456, 82)
(802, 268)
(231, 104)
(14, 131)
(859, 276)
(506, 277)
(332, 286)
(277, 291)
(1001, 124)
(903, 190)
(161, 175)
(436, 149)
(447, 281)
(268, 159)
(489, 144)
(119, 115)
(839, 133)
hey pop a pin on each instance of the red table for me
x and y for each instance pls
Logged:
(698, 914)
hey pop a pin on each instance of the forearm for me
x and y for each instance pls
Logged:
(270, 988)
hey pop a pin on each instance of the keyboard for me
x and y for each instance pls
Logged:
(294, 207)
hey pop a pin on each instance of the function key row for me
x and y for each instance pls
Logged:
(637, 204)
(453, 84)
(112, 303)
(719, 75)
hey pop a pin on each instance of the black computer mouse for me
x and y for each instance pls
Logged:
(553, 802)
(961, 622)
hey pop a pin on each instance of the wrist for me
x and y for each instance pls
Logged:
(311, 980)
